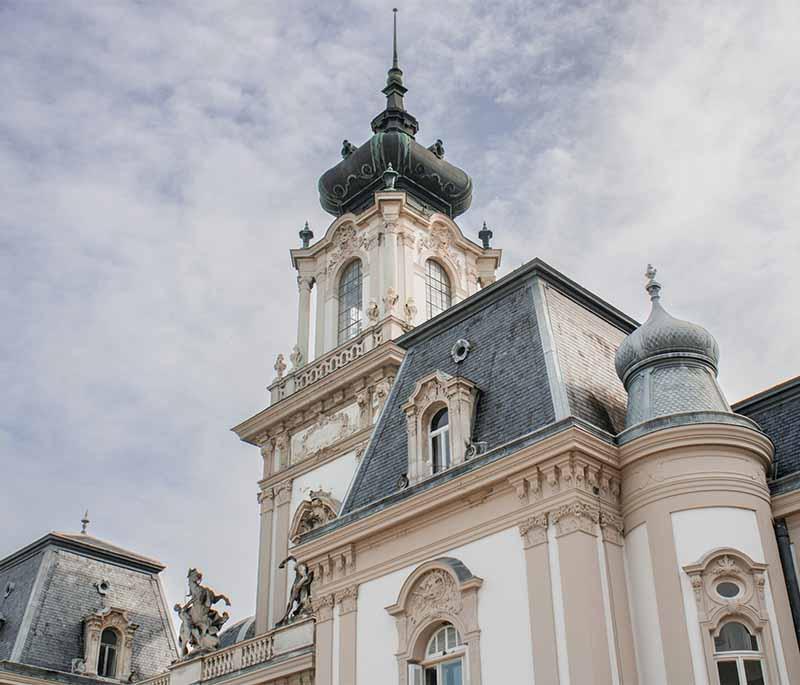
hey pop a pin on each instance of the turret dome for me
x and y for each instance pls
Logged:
(420, 171)
(663, 334)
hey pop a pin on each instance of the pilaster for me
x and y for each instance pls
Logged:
(323, 613)
(266, 503)
(347, 600)
(540, 598)
(283, 497)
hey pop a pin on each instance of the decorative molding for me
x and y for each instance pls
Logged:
(576, 517)
(612, 527)
(534, 530)
(315, 511)
(322, 608)
(347, 599)
(283, 493)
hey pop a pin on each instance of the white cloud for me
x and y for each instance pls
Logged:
(157, 161)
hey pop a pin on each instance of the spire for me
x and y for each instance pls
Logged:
(395, 117)
(306, 235)
(85, 522)
(485, 235)
(653, 286)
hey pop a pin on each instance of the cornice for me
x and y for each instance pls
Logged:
(709, 436)
(386, 354)
(463, 491)
(786, 504)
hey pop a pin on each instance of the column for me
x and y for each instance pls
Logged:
(266, 502)
(347, 600)
(321, 284)
(283, 497)
(611, 529)
(582, 591)
(323, 662)
(540, 599)
(303, 316)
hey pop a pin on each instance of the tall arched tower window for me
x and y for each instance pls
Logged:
(438, 294)
(350, 302)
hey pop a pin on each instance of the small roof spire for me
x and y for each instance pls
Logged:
(485, 235)
(306, 235)
(85, 522)
(394, 42)
(653, 287)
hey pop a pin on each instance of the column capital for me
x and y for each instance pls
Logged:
(534, 530)
(305, 283)
(575, 517)
(323, 608)
(283, 492)
(347, 599)
(266, 498)
(611, 527)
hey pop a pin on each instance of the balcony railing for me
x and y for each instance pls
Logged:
(258, 650)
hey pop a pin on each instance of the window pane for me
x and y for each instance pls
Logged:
(437, 288)
(728, 589)
(734, 637)
(350, 302)
(440, 420)
(753, 673)
(430, 676)
(451, 673)
(436, 446)
(445, 449)
(109, 637)
(728, 673)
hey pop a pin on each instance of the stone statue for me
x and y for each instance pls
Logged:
(200, 621)
(300, 595)
(411, 310)
(347, 149)
(280, 366)
(437, 148)
(390, 301)
(373, 312)
(296, 357)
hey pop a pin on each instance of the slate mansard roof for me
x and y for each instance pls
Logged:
(54, 590)
(542, 355)
(777, 411)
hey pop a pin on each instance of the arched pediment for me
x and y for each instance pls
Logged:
(315, 511)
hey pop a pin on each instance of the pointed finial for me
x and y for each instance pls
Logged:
(306, 235)
(85, 522)
(394, 41)
(389, 178)
(653, 286)
(485, 234)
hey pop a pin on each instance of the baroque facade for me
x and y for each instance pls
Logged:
(465, 481)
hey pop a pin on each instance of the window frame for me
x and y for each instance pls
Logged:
(346, 289)
(103, 652)
(739, 656)
(438, 288)
(441, 437)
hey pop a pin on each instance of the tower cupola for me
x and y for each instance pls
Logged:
(422, 172)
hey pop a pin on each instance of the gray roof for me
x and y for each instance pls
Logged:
(777, 411)
(542, 357)
(54, 590)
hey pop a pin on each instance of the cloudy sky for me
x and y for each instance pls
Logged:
(158, 158)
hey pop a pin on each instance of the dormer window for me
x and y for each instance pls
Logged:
(440, 441)
(107, 658)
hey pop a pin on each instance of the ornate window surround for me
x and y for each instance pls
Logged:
(748, 607)
(437, 592)
(317, 510)
(93, 627)
(432, 393)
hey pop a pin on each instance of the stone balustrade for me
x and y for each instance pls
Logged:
(254, 652)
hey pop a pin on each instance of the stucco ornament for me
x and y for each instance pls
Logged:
(320, 508)
(411, 310)
(300, 595)
(200, 621)
(346, 242)
(373, 312)
(390, 301)
(434, 594)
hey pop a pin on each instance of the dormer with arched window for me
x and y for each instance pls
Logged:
(108, 644)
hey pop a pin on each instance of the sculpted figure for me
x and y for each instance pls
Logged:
(200, 621)
(300, 595)
(373, 313)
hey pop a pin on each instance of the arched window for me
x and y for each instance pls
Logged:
(350, 302)
(440, 441)
(437, 288)
(107, 659)
(738, 656)
(444, 659)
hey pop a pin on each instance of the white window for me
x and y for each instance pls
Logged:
(444, 660)
(107, 659)
(440, 441)
(438, 295)
(350, 302)
(738, 656)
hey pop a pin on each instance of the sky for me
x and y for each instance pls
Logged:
(157, 160)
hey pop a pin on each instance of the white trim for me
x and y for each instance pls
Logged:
(634, 629)
(776, 633)
(48, 558)
(557, 388)
(558, 607)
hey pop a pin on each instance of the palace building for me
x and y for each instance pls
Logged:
(466, 481)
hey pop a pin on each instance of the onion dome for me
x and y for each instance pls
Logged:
(669, 370)
(423, 172)
(663, 334)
